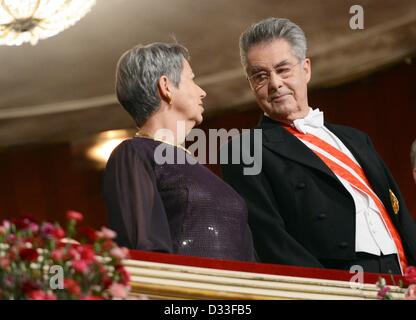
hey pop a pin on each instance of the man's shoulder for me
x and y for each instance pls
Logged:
(347, 130)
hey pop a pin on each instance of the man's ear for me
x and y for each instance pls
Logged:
(307, 68)
(164, 86)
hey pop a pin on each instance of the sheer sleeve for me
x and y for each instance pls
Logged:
(135, 208)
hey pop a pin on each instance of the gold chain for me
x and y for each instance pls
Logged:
(148, 136)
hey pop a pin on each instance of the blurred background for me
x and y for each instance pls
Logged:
(59, 118)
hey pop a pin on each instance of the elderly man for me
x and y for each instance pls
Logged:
(324, 197)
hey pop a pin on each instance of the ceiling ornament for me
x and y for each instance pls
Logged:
(24, 21)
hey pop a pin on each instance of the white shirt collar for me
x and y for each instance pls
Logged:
(314, 119)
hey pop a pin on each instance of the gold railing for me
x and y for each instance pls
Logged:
(173, 281)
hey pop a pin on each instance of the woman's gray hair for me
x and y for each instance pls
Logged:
(138, 72)
(271, 29)
(413, 155)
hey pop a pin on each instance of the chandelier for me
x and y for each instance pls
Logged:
(30, 20)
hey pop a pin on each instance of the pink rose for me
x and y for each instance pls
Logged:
(58, 233)
(74, 215)
(410, 275)
(50, 296)
(4, 263)
(57, 254)
(108, 245)
(80, 266)
(86, 253)
(72, 286)
(118, 290)
(411, 292)
(6, 224)
(8, 282)
(33, 227)
(41, 295)
(119, 253)
(106, 233)
(74, 254)
(382, 293)
(11, 238)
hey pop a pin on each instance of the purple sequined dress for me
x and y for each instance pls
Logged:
(175, 208)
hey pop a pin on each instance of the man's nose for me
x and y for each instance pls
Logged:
(275, 82)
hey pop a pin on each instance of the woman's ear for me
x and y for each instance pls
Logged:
(164, 86)
(308, 69)
(414, 174)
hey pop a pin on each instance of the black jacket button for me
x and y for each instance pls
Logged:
(343, 245)
(322, 216)
(301, 185)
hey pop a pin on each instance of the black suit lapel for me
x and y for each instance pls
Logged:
(282, 142)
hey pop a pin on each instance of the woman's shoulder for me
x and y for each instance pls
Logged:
(137, 147)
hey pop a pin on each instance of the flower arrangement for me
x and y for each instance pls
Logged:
(385, 293)
(45, 262)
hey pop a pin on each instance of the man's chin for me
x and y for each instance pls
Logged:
(281, 109)
(281, 112)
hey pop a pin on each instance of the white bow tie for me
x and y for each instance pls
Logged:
(315, 118)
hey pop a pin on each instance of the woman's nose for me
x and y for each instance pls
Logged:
(203, 93)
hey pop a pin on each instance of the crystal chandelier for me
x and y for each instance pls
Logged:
(30, 20)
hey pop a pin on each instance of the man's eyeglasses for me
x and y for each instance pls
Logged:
(261, 78)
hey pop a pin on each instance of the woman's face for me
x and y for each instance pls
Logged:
(187, 98)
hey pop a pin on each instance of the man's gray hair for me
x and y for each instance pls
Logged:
(413, 154)
(138, 72)
(271, 29)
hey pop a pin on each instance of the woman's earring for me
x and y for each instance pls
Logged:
(170, 99)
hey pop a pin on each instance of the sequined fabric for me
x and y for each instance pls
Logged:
(176, 208)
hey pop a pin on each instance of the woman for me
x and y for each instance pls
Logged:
(176, 207)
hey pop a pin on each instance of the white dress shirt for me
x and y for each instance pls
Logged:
(371, 236)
